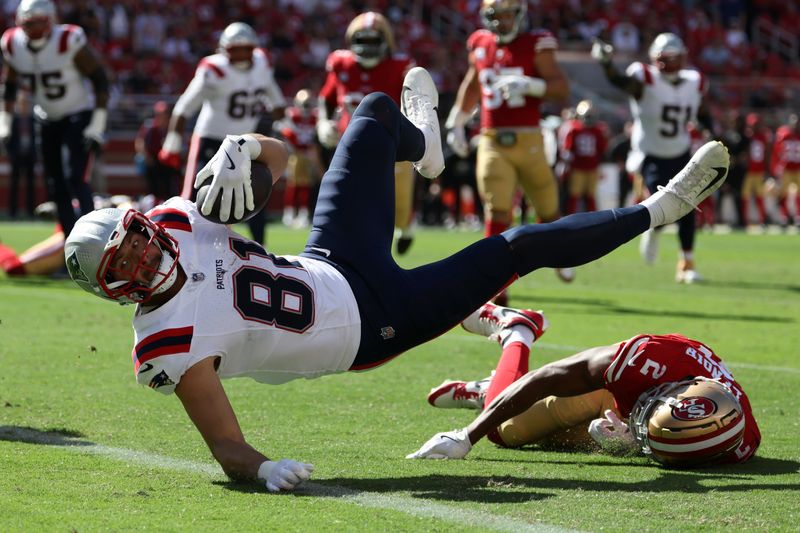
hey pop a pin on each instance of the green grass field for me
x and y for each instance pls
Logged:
(83, 448)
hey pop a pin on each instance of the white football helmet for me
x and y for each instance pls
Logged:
(492, 9)
(32, 12)
(238, 34)
(94, 240)
(369, 36)
(668, 53)
(694, 422)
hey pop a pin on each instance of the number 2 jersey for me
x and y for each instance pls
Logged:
(267, 317)
(649, 360)
(232, 99)
(50, 74)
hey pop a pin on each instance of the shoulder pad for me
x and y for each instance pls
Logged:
(211, 64)
(71, 38)
(7, 40)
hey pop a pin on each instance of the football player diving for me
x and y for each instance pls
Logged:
(54, 62)
(369, 63)
(665, 97)
(511, 71)
(684, 407)
(232, 89)
(212, 304)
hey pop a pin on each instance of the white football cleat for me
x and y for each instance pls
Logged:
(567, 275)
(419, 101)
(648, 246)
(459, 394)
(689, 277)
(492, 320)
(701, 176)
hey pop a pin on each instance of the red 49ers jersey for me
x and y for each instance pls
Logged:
(757, 150)
(786, 152)
(299, 128)
(586, 144)
(492, 59)
(348, 82)
(648, 360)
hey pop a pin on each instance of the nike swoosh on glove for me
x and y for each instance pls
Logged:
(449, 445)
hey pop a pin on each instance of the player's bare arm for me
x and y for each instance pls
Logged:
(88, 65)
(208, 407)
(469, 92)
(578, 374)
(274, 154)
(551, 73)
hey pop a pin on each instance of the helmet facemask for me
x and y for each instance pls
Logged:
(115, 281)
(369, 46)
(36, 18)
(493, 10)
(668, 54)
(237, 41)
(695, 422)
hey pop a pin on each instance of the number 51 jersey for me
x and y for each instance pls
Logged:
(271, 318)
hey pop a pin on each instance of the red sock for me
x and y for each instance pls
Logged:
(10, 262)
(494, 228)
(303, 193)
(572, 204)
(591, 205)
(512, 366)
(762, 212)
(289, 195)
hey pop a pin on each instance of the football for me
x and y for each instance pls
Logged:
(261, 181)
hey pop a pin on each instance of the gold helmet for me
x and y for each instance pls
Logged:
(585, 112)
(370, 38)
(493, 13)
(694, 422)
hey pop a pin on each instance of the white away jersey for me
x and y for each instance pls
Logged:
(271, 318)
(232, 99)
(57, 86)
(665, 108)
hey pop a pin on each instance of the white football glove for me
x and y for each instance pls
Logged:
(449, 445)
(94, 133)
(456, 134)
(611, 431)
(5, 125)
(514, 88)
(284, 474)
(230, 169)
(327, 133)
(602, 51)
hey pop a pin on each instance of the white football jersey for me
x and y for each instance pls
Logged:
(57, 86)
(270, 318)
(232, 99)
(662, 113)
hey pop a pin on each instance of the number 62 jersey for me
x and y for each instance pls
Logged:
(271, 318)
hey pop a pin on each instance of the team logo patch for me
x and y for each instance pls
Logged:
(387, 333)
(74, 267)
(694, 408)
(160, 380)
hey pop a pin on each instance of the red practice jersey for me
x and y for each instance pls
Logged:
(786, 151)
(757, 152)
(649, 360)
(493, 60)
(348, 82)
(299, 128)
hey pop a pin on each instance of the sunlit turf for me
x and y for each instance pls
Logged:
(66, 378)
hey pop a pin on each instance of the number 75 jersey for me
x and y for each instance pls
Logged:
(267, 317)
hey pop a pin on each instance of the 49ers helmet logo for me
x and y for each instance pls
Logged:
(694, 408)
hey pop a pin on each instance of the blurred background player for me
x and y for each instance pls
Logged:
(759, 140)
(304, 168)
(161, 178)
(233, 89)
(511, 70)
(664, 97)
(53, 62)
(684, 406)
(584, 144)
(370, 63)
(786, 165)
(21, 150)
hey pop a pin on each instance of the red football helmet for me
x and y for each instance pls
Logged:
(694, 422)
(668, 53)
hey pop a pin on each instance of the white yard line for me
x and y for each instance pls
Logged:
(418, 507)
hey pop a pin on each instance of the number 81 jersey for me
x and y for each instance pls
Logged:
(58, 88)
(270, 318)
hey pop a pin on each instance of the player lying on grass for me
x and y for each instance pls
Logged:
(683, 405)
(212, 304)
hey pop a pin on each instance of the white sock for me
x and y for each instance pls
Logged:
(518, 333)
(664, 208)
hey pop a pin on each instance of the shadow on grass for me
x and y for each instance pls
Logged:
(609, 307)
(48, 437)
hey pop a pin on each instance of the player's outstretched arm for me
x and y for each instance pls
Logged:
(208, 407)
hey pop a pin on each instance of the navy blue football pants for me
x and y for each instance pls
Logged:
(656, 172)
(354, 221)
